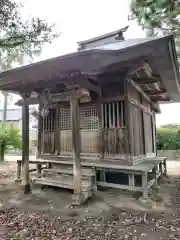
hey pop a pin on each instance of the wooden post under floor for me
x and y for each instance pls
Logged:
(144, 185)
(25, 148)
(76, 144)
(18, 179)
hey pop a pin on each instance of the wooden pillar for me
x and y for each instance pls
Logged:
(161, 168)
(101, 130)
(145, 185)
(155, 172)
(18, 179)
(39, 143)
(76, 144)
(57, 130)
(38, 169)
(131, 179)
(25, 147)
(154, 133)
(165, 167)
(128, 130)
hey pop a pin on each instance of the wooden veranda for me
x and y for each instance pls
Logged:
(97, 113)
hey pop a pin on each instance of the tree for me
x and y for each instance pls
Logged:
(163, 16)
(10, 136)
(19, 37)
(168, 137)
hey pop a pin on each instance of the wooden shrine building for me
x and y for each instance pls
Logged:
(97, 110)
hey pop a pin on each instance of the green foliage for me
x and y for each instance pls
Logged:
(10, 136)
(168, 137)
(19, 37)
(160, 15)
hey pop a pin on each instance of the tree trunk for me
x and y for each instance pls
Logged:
(5, 108)
(149, 31)
(2, 151)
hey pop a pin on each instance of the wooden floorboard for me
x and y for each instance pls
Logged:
(143, 166)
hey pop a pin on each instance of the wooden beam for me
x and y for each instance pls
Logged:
(142, 107)
(76, 144)
(137, 68)
(157, 87)
(160, 98)
(147, 69)
(25, 146)
(147, 80)
(139, 89)
(85, 83)
(57, 97)
(155, 93)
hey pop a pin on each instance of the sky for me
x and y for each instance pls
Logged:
(78, 20)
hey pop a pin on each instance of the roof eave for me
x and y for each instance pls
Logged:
(174, 61)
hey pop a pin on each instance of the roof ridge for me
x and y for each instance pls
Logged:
(102, 36)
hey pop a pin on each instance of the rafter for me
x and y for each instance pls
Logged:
(154, 93)
(147, 80)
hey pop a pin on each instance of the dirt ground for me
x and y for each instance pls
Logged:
(111, 214)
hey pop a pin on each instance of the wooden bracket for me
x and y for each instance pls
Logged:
(57, 97)
(85, 83)
(139, 89)
(82, 81)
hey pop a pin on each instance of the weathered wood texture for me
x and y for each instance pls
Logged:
(121, 130)
(148, 133)
(114, 138)
(142, 127)
(48, 126)
(108, 117)
(57, 130)
(137, 144)
(89, 130)
(76, 144)
(39, 143)
(25, 147)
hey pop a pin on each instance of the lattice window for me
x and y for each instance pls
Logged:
(65, 119)
(113, 114)
(89, 118)
(49, 121)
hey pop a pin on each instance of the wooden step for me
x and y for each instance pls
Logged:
(63, 182)
(69, 170)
